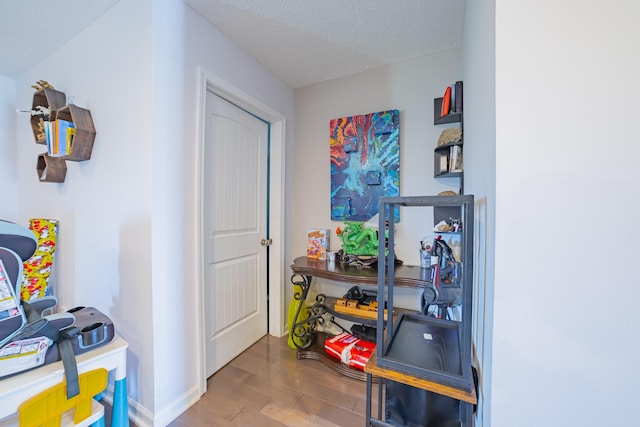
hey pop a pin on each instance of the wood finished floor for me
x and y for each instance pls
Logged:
(267, 386)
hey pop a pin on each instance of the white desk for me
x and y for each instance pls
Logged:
(112, 356)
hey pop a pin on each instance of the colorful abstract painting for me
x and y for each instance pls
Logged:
(365, 164)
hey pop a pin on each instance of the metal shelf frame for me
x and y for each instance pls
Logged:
(393, 350)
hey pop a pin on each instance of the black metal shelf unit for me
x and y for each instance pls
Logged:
(433, 349)
(442, 154)
(441, 160)
(443, 120)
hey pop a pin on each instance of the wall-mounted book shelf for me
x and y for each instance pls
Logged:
(448, 157)
(47, 98)
(455, 117)
(85, 132)
(447, 160)
(51, 166)
(51, 169)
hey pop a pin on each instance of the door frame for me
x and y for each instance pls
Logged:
(276, 201)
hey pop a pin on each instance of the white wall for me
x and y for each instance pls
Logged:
(128, 216)
(480, 180)
(409, 87)
(127, 233)
(8, 148)
(566, 292)
(104, 205)
(182, 42)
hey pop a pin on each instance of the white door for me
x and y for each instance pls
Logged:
(235, 222)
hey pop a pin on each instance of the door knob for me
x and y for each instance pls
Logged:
(266, 242)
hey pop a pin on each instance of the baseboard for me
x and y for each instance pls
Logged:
(178, 406)
(138, 414)
(142, 417)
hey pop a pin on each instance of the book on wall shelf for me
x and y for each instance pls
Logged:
(59, 137)
(452, 100)
(458, 90)
(446, 102)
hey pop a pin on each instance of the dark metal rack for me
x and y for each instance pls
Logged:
(392, 350)
(418, 350)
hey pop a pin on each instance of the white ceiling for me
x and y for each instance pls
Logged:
(301, 41)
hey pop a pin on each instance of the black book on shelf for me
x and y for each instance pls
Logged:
(458, 107)
(452, 107)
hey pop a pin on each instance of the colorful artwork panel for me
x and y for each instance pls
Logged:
(365, 164)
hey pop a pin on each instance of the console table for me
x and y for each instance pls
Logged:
(309, 341)
(112, 356)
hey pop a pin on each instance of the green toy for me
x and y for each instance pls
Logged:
(358, 239)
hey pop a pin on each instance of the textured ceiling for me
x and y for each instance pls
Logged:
(31, 29)
(308, 41)
(301, 41)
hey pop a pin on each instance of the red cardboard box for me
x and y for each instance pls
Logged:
(350, 350)
(360, 356)
(334, 346)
